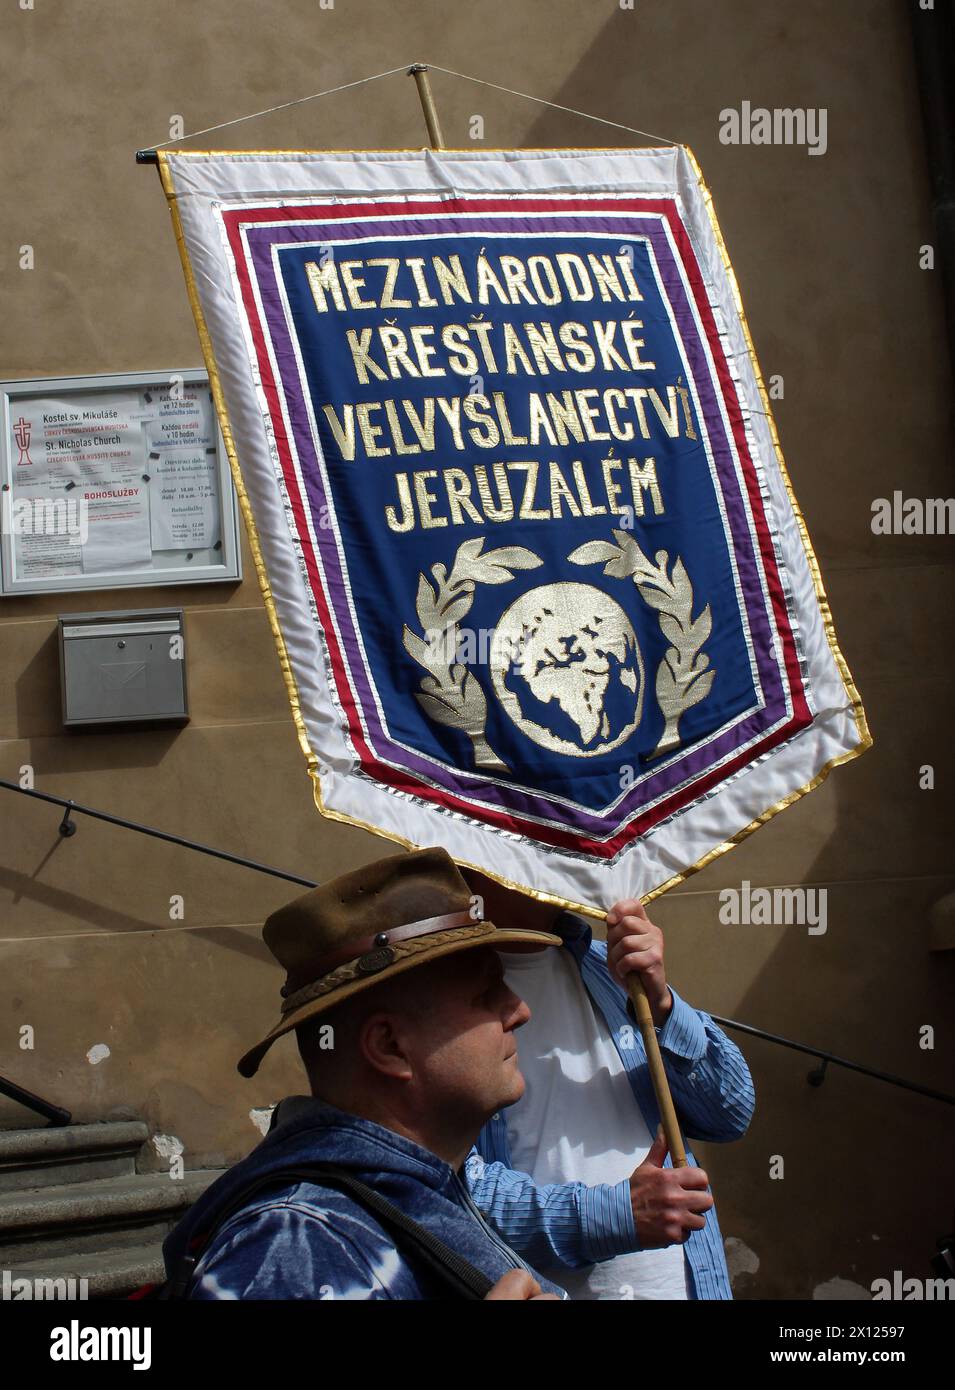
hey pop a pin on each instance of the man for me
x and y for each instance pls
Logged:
(406, 1030)
(576, 1174)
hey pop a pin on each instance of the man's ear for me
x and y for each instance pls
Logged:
(382, 1042)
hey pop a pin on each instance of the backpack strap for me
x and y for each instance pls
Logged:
(462, 1278)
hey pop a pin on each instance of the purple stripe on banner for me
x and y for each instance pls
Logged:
(261, 240)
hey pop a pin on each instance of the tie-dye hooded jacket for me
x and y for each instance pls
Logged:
(306, 1241)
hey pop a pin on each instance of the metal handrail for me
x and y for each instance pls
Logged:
(54, 1113)
(815, 1077)
(68, 828)
(818, 1074)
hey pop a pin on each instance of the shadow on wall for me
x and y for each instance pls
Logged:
(864, 1176)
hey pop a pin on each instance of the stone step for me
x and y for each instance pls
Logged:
(79, 1218)
(111, 1273)
(52, 1157)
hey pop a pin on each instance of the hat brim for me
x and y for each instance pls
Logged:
(462, 939)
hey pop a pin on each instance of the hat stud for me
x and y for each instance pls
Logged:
(376, 960)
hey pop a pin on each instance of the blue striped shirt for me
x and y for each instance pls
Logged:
(574, 1225)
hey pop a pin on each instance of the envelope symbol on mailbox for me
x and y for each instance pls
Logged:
(119, 675)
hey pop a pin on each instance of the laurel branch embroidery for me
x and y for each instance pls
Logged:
(684, 676)
(449, 693)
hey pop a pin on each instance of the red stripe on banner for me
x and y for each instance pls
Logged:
(403, 781)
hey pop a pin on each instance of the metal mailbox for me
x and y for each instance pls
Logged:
(123, 667)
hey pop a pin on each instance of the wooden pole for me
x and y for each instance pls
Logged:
(661, 1086)
(420, 74)
(641, 1005)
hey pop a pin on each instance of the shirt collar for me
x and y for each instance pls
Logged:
(574, 933)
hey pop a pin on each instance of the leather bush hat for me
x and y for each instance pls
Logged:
(371, 924)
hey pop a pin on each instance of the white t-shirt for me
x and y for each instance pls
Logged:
(578, 1120)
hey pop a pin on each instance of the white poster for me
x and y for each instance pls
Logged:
(103, 479)
(184, 500)
(183, 474)
(118, 526)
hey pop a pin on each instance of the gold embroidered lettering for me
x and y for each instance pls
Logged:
(425, 498)
(370, 432)
(401, 445)
(587, 413)
(559, 491)
(354, 284)
(482, 331)
(458, 486)
(629, 327)
(643, 476)
(610, 465)
(425, 299)
(462, 359)
(624, 263)
(515, 274)
(487, 280)
(387, 300)
(611, 396)
(539, 420)
(582, 488)
(503, 510)
(580, 356)
(359, 344)
(425, 351)
(406, 520)
(669, 417)
(601, 267)
(638, 395)
(576, 277)
(450, 408)
(543, 345)
(684, 395)
(395, 345)
(527, 512)
(507, 433)
(476, 408)
(565, 417)
(539, 268)
(344, 433)
(514, 352)
(451, 278)
(321, 279)
(609, 356)
(424, 429)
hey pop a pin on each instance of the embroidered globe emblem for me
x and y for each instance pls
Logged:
(567, 668)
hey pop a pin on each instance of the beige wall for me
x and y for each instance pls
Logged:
(825, 249)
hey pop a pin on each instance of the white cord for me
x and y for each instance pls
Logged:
(283, 106)
(556, 105)
(330, 91)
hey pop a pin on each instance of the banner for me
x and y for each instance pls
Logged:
(539, 585)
